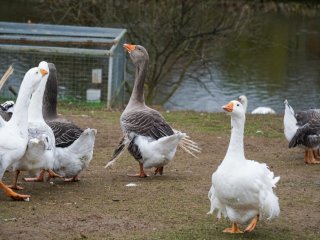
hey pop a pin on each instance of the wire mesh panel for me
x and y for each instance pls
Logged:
(89, 61)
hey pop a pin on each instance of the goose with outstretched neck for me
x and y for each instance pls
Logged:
(146, 134)
(40, 153)
(14, 133)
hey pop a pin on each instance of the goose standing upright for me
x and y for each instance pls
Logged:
(242, 189)
(148, 137)
(40, 153)
(14, 133)
(303, 128)
(74, 146)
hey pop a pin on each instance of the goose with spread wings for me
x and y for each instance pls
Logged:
(147, 136)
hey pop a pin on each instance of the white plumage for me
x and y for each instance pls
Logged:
(14, 133)
(71, 160)
(242, 189)
(158, 152)
(40, 152)
(289, 122)
(259, 110)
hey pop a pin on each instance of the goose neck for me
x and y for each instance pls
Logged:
(36, 103)
(20, 114)
(235, 150)
(137, 96)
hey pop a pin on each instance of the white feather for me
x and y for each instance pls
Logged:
(159, 152)
(289, 122)
(241, 189)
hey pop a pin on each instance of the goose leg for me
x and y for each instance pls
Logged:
(158, 170)
(234, 229)
(73, 179)
(142, 174)
(306, 156)
(12, 194)
(52, 174)
(14, 184)
(36, 179)
(311, 157)
(252, 224)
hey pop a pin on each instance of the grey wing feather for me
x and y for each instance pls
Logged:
(308, 134)
(304, 117)
(65, 133)
(147, 123)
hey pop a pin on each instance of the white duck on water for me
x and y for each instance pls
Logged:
(148, 137)
(303, 128)
(242, 189)
(14, 133)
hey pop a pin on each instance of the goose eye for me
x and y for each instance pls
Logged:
(238, 105)
(37, 72)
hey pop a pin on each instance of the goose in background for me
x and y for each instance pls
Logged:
(259, 110)
(147, 136)
(6, 108)
(242, 189)
(14, 133)
(303, 128)
(74, 146)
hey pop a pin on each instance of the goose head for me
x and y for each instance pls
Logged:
(138, 54)
(235, 108)
(44, 69)
(244, 101)
(36, 74)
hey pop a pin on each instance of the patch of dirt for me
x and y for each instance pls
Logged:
(101, 206)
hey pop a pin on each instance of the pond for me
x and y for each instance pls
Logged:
(280, 60)
(282, 63)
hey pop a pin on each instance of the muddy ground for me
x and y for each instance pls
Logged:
(172, 206)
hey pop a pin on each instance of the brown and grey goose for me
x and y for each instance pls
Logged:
(147, 136)
(303, 128)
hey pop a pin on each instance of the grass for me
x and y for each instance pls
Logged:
(172, 206)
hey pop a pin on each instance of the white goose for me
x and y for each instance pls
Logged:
(148, 137)
(74, 150)
(242, 189)
(40, 153)
(14, 133)
(73, 146)
(259, 110)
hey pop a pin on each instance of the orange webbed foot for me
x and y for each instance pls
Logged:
(140, 175)
(73, 179)
(234, 229)
(252, 224)
(15, 187)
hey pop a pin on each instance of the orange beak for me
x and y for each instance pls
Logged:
(43, 71)
(129, 47)
(228, 107)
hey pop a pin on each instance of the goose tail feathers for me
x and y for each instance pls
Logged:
(189, 146)
(118, 151)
